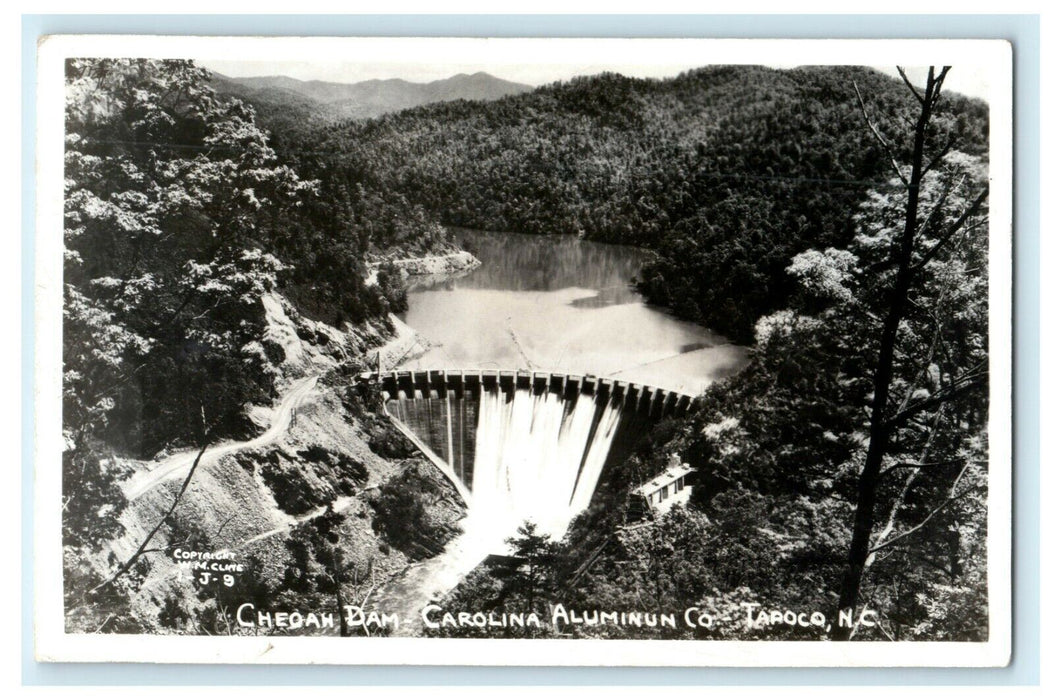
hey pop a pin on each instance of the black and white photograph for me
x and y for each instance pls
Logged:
(631, 352)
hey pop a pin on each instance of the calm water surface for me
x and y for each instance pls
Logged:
(560, 304)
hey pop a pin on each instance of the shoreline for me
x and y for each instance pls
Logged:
(401, 346)
(427, 265)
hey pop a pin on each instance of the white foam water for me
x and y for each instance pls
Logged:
(538, 458)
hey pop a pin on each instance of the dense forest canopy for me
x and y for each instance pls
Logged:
(726, 172)
(834, 218)
(846, 468)
(179, 218)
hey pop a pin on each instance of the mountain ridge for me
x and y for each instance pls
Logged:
(362, 99)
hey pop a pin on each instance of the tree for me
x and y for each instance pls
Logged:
(164, 259)
(165, 267)
(529, 575)
(897, 402)
(865, 403)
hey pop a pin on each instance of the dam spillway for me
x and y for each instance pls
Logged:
(524, 445)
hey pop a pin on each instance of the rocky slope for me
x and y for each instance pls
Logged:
(336, 503)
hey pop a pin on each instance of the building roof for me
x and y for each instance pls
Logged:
(669, 476)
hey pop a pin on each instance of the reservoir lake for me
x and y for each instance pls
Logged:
(560, 304)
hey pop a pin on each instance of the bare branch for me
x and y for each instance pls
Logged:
(949, 144)
(952, 497)
(938, 83)
(921, 231)
(953, 229)
(973, 379)
(878, 135)
(934, 344)
(220, 530)
(914, 91)
(142, 547)
(894, 510)
(104, 623)
(920, 465)
(882, 629)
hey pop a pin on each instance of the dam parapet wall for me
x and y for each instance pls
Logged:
(523, 445)
(650, 402)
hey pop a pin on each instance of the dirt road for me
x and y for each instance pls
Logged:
(176, 466)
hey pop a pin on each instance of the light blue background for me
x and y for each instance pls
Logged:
(1022, 30)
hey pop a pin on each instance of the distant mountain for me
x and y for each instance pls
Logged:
(362, 100)
(726, 172)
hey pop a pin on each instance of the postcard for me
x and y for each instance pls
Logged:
(601, 352)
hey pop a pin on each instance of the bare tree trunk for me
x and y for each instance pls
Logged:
(338, 579)
(150, 536)
(879, 432)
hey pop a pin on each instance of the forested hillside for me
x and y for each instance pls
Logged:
(180, 219)
(833, 218)
(726, 172)
(846, 469)
(183, 233)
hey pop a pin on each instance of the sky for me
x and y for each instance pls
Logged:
(969, 80)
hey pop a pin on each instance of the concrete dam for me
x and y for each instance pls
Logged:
(522, 445)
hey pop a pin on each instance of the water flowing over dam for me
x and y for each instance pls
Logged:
(524, 445)
(534, 445)
(518, 446)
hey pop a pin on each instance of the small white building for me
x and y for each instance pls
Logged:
(671, 487)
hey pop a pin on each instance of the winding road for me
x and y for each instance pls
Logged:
(176, 466)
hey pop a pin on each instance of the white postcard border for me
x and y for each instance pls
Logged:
(52, 643)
